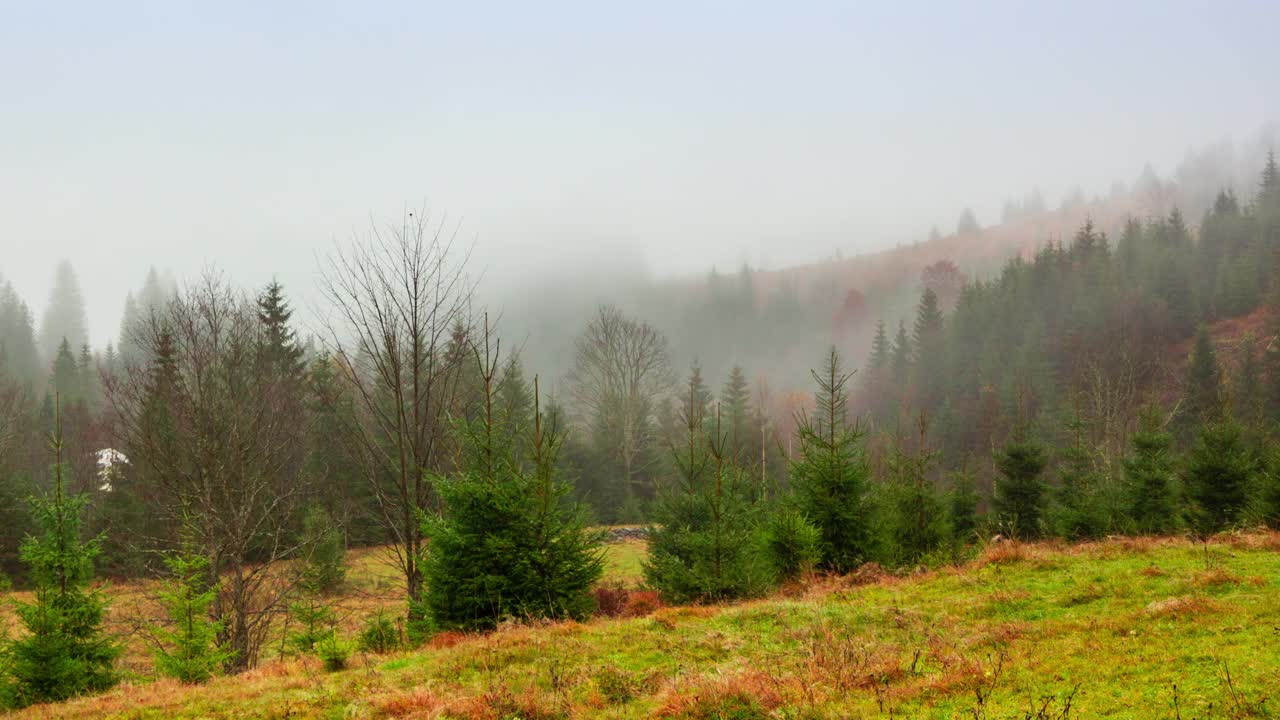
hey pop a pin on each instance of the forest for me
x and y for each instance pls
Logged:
(1097, 386)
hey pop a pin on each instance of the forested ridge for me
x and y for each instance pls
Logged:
(1077, 391)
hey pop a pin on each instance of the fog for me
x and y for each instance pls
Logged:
(569, 140)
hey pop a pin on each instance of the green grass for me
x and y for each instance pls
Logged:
(1113, 626)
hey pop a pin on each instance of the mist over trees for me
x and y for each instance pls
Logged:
(1122, 378)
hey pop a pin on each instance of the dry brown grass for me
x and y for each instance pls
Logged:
(1181, 607)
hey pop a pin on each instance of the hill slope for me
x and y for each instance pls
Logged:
(1122, 628)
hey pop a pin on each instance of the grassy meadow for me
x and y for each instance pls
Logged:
(1123, 628)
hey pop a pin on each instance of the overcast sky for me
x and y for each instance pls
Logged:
(252, 135)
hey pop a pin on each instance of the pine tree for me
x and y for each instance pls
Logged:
(918, 524)
(188, 648)
(326, 550)
(701, 546)
(1203, 393)
(280, 347)
(929, 344)
(879, 348)
(1247, 391)
(508, 542)
(1217, 475)
(830, 473)
(65, 652)
(963, 507)
(901, 359)
(67, 378)
(1019, 495)
(515, 405)
(697, 398)
(1078, 510)
(64, 318)
(1150, 502)
(735, 409)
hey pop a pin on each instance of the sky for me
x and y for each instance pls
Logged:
(666, 136)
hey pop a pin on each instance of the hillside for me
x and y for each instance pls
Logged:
(1123, 628)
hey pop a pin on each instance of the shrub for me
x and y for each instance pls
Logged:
(792, 545)
(333, 651)
(380, 635)
(611, 598)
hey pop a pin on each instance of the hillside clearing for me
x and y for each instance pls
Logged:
(1108, 629)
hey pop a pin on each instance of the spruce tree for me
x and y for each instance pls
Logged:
(1078, 510)
(64, 317)
(1218, 473)
(735, 410)
(1149, 494)
(829, 473)
(701, 547)
(1019, 494)
(67, 379)
(65, 651)
(929, 351)
(280, 347)
(188, 647)
(918, 522)
(508, 541)
(1203, 392)
(900, 362)
(324, 569)
(879, 348)
(962, 508)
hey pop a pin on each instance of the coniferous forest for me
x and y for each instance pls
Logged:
(1105, 384)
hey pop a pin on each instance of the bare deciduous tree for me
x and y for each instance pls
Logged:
(211, 434)
(620, 367)
(399, 297)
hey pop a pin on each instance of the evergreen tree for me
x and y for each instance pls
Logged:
(901, 359)
(735, 409)
(1219, 470)
(508, 543)
(701, 547)
(64, 652)
(918, 523)
(929, 344)
(67, 378)
(188, 648)
(515, 405)
(326, 551)
(1203, 393)
(1019, 495)
(17, 338)
(1150, 501)
(64, 318)
(879, 348)
(280, 347)
(963, 507)
(1078, 509)
(829, 473)
(1247, 392)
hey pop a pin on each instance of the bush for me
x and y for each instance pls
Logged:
(611, 599)
(380, 635)
(333, 651)
(792, 544)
